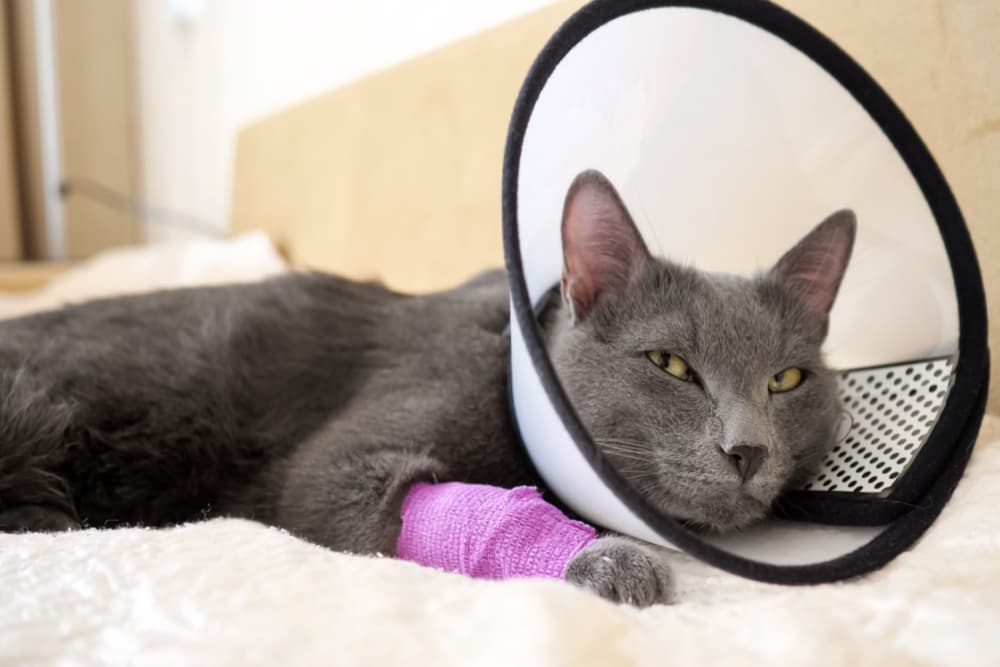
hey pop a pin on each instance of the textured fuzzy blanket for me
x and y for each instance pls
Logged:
(232, 592)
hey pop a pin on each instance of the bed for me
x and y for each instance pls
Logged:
(232, 592)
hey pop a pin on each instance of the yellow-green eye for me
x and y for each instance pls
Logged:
(786, 380)
(671, 363)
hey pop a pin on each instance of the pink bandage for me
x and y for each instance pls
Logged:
(488, 532)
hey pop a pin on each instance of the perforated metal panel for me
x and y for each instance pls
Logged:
(890, 411)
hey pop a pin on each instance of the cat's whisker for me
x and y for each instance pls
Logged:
(628, 448)
(622, 441)
(638, 474)
(631, 457)
(625, 450)
(653, 488)
(628, 453)
(625, 447)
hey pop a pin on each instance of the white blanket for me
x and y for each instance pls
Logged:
(231, 592)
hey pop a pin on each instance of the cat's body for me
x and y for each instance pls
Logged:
(240, 400)
(314, 403)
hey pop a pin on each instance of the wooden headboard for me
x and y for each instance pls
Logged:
(397, 177)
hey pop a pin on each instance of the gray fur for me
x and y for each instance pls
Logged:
(313, 403)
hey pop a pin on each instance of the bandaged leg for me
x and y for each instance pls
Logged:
(488, 532)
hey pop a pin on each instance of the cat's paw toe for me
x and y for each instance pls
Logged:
(621, 570)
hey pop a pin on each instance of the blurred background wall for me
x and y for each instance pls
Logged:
(122, 101)
(207, 68)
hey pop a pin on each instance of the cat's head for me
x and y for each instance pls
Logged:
(708, 392)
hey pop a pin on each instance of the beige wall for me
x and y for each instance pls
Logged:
(397, 176)
(95, 108)
(26, 108)
(97, 118)
(10, 210)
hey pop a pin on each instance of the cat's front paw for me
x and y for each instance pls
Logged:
(622, 570)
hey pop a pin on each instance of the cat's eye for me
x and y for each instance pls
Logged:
(670, 363)
(786, 380)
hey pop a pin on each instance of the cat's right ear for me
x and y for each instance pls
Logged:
(602, 248)
(815, 267)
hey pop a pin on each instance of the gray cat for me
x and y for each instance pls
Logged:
(313, 403)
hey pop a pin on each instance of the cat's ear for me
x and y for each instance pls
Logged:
(815, 267)
(602, 248)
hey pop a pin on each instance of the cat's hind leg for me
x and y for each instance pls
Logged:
(36, 519)
(33, 498)
(35, 494)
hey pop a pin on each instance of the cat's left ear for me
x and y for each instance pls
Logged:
(602, 248)
(815, 267)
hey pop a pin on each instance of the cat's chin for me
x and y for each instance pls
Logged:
(720, 506)
(720, 515)
(716, 527)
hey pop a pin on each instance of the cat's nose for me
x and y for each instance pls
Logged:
(748, 459)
